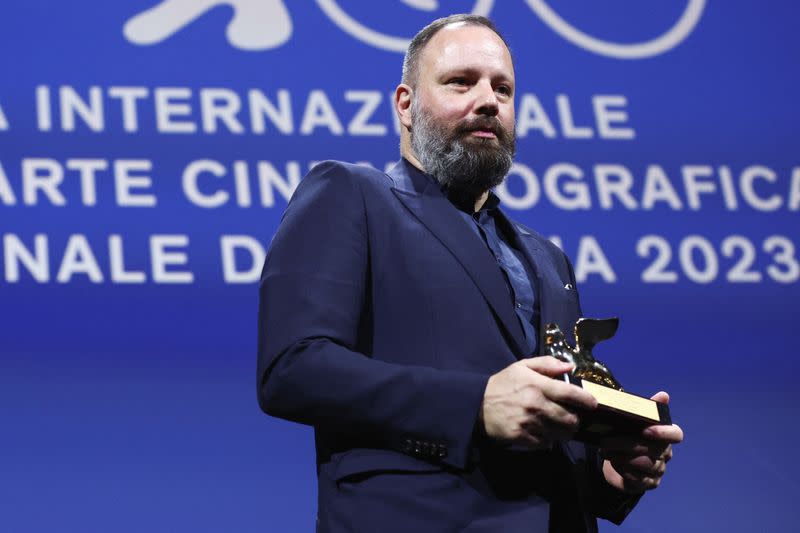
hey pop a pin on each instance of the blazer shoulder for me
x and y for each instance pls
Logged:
(353, 174)
(345, 184)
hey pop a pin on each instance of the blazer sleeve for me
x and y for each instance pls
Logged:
(313, 362)
(608, 502)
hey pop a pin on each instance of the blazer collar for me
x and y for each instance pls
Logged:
(423, 197)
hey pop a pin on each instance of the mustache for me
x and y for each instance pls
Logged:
(484, 123)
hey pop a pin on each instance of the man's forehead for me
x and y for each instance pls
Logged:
(461, 41)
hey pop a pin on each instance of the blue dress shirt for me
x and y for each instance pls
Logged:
(511, 262)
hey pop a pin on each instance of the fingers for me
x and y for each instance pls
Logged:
(640, 468)
(515, 406)
(637, 463)
(667, 433)
(558, 415)
(656, 437)
(541, 432)
(522, 403)
(569, 395)
(634, 478)
(660, 397)
(559, 391)
(643, 473)
(547, 365)
(548, 418)
(654, 441)
(643, 466)
(671, 434)
(554, 422)
(649, 461)
(639, 483)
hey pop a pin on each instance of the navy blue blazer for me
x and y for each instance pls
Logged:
(382, 316)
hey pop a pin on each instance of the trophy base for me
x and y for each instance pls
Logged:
(617, 413)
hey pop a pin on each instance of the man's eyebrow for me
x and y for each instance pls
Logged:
(474, 72)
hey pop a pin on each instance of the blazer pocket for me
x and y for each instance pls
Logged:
(362, 462)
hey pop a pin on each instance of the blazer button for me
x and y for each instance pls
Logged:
(416, 447)
(442, 451)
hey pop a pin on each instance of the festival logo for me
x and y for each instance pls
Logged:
(267, 24)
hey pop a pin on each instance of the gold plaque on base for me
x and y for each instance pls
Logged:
(618, 412)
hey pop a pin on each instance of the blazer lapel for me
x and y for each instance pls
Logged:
(423, 198)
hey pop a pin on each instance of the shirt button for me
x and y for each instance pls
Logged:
(519, 305)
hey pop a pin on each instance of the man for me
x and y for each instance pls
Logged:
(400, 314)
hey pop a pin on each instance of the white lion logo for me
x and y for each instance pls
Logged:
(256, 24)
(266, 24)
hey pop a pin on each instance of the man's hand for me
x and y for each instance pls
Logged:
(524, 405)
(637, 463)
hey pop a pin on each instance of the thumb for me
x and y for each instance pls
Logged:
(660, 397)
(547, 365)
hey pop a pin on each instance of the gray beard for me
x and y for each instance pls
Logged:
(465, 169)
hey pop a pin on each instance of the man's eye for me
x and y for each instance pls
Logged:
(504, 89)
(458, 81)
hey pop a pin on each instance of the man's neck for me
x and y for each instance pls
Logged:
(481, 200)
(411, 158)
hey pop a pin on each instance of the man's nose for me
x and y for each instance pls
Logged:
(486, 100)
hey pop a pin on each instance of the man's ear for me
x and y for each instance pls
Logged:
(402, 104)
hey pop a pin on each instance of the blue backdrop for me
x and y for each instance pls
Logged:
(147, 151)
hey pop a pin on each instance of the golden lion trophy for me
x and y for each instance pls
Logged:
(618, 412)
